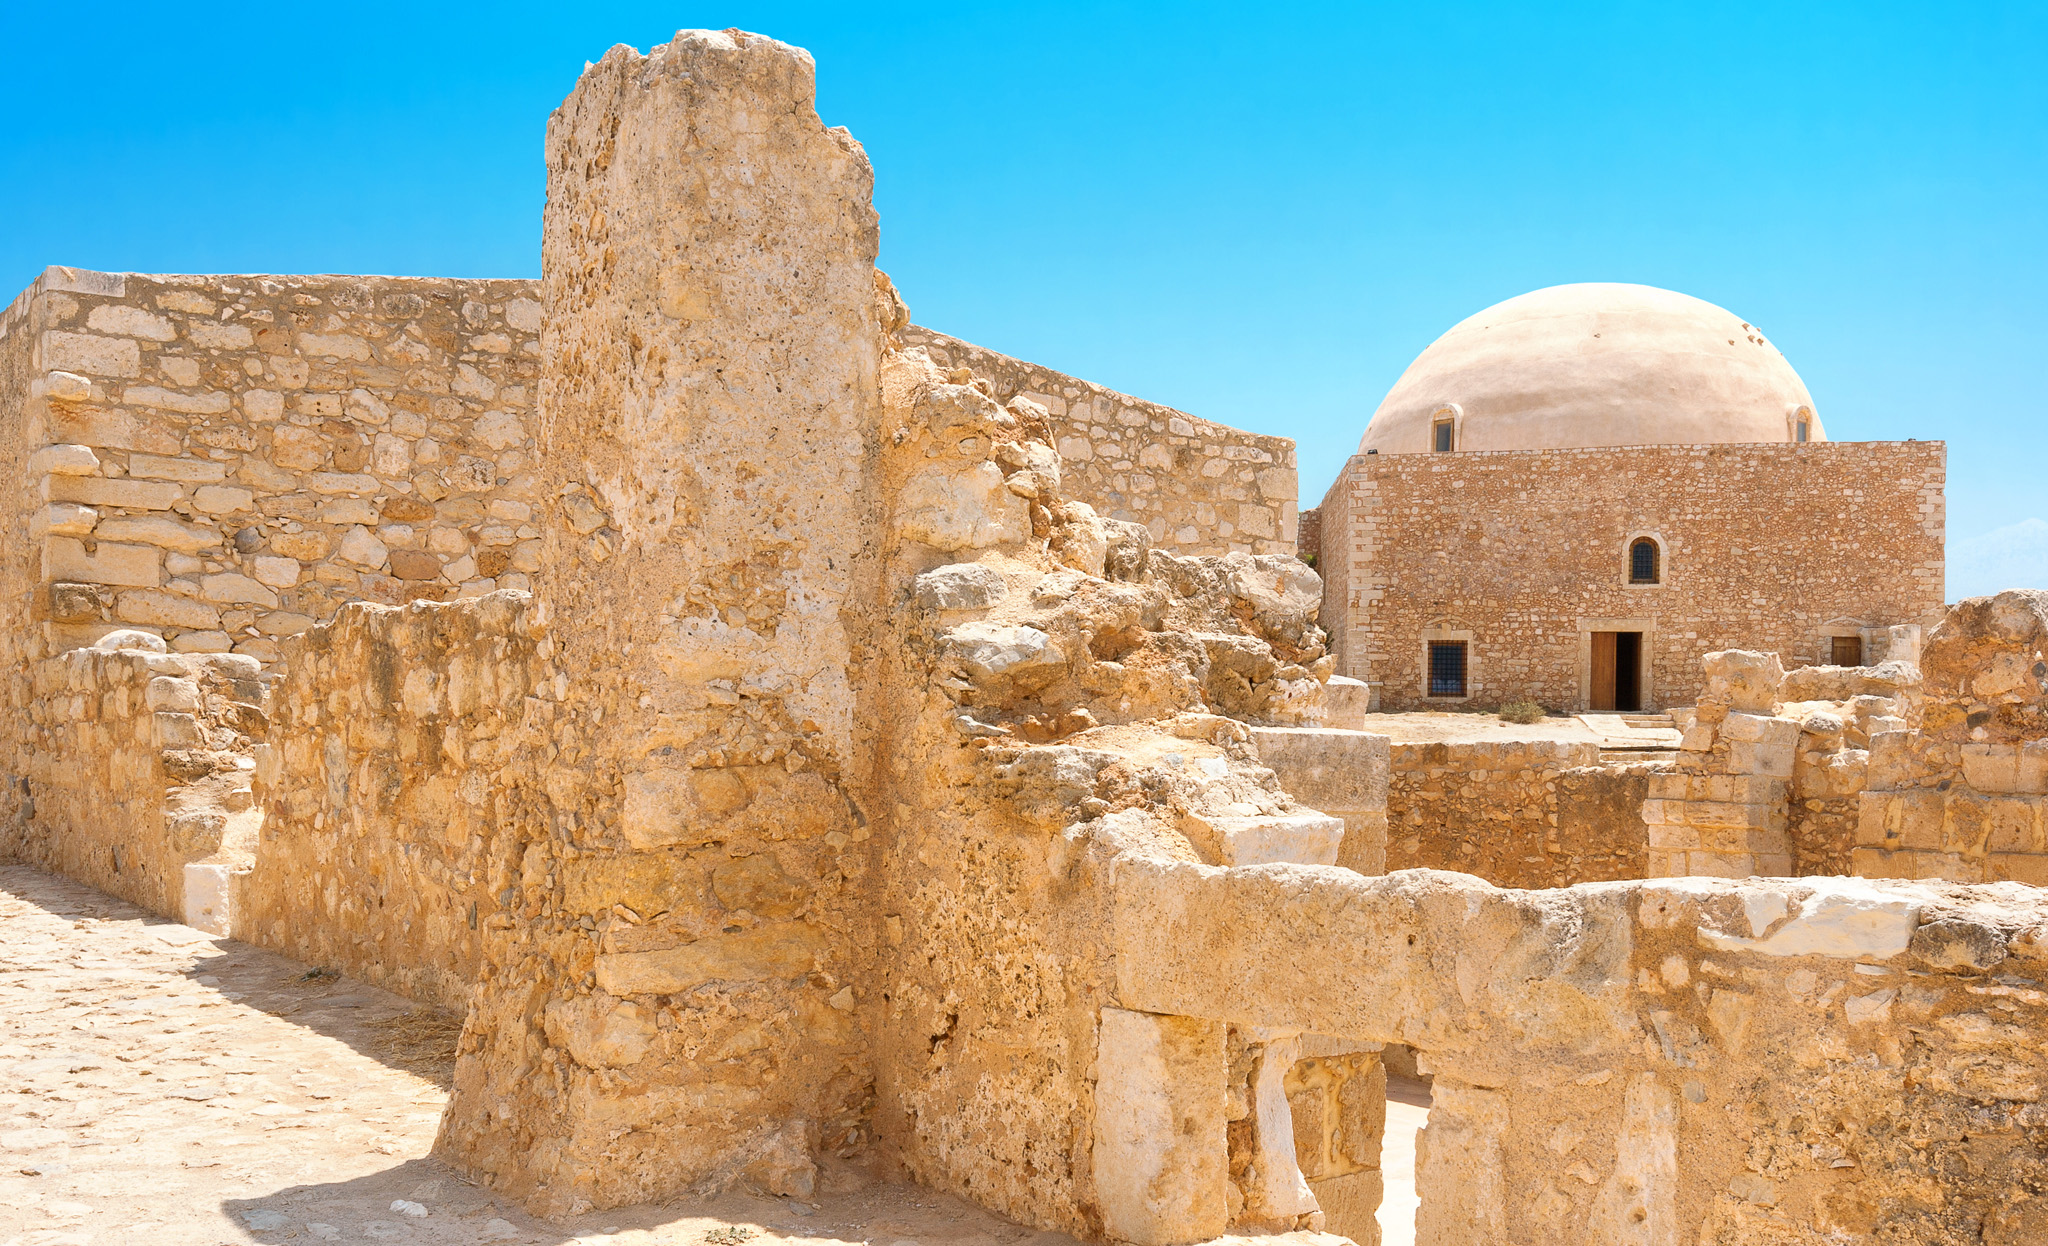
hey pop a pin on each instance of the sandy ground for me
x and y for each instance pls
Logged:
(162, 1087)
(1407, 1111)
(1423, 727)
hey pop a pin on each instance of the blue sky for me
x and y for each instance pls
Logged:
(1259, 213)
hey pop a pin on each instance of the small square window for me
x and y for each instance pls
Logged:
(1446, 436)
(1447, 668)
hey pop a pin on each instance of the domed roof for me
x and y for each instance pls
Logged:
(1595, 364)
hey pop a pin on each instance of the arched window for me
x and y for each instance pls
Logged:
(1642, 562)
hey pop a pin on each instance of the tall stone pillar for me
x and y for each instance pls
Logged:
(675, 1002)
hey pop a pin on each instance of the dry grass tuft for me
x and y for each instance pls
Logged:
(1521, 712)
(421, 1041)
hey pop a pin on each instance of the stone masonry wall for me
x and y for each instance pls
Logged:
(1201, 487)
(1965, 797)
(17, 556)
(1536, 813)
(139, 766)
(1655, 1062)
(1525, 552)
(707, 409)
(397, 793)
(226, 460)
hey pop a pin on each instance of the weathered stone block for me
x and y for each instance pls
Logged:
(776, 950)
(161, 531)
(90, 354)
(1159, 1142)
(191, 471)
(65, 558)
(64, 460)
(1992, 768)
(77, 603)
(222, 499)
(1775, 760)
(161, 609)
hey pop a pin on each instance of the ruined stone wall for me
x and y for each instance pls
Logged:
(706, 413)
(1308, 536)
(1965, 797)
(1657, 1062)
(1199, 486)
(224, 461)
(17, 555)
(138, 766)
(1534, 813)
(398, 793)
(1524, 554)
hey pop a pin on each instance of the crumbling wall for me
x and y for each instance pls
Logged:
(1200, 487)
(706, 418)
(139, 766)
(1063, 688)
(224, 461)
(1965, 797)
(399, 791)
(1658, 1062)
(1527, 813)
(1525, 555)
(17, 558)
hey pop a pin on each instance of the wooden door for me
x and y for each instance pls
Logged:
(1848, 651)
(1603, 670)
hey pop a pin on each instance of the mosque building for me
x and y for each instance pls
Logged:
(1571, 496)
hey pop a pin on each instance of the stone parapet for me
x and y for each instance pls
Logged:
(140, 766)
(1199, 486)
(1341, 773)
(1534, 813)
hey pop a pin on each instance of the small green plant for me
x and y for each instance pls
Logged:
(728, 1235)
(1521, 712)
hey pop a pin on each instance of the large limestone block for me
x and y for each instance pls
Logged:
(134, 566)
(1309, 838)
(1348, 703)
(1744, 681)
(1160, 1157)
(775, 950)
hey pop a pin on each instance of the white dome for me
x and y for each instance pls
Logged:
(1595, 364)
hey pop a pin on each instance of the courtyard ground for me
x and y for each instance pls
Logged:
(1439, 727)
(163, 1087)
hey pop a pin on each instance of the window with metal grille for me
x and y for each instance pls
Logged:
(1446, 435)
(1447, 668)
(1642, 562)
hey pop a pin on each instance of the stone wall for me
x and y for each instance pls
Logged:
(1533, 813)
(18, 555)
(398, 797)
(1308, 536)
(224, 461)
(139, 768)
(708, 406)
(1652, 1062)
(1199, 486)
(1524, 554)
(1966, 796)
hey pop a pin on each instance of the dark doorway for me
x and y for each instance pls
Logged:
(1617, 671)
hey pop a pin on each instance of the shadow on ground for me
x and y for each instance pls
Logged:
(388, 1028)
(447, 1211)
